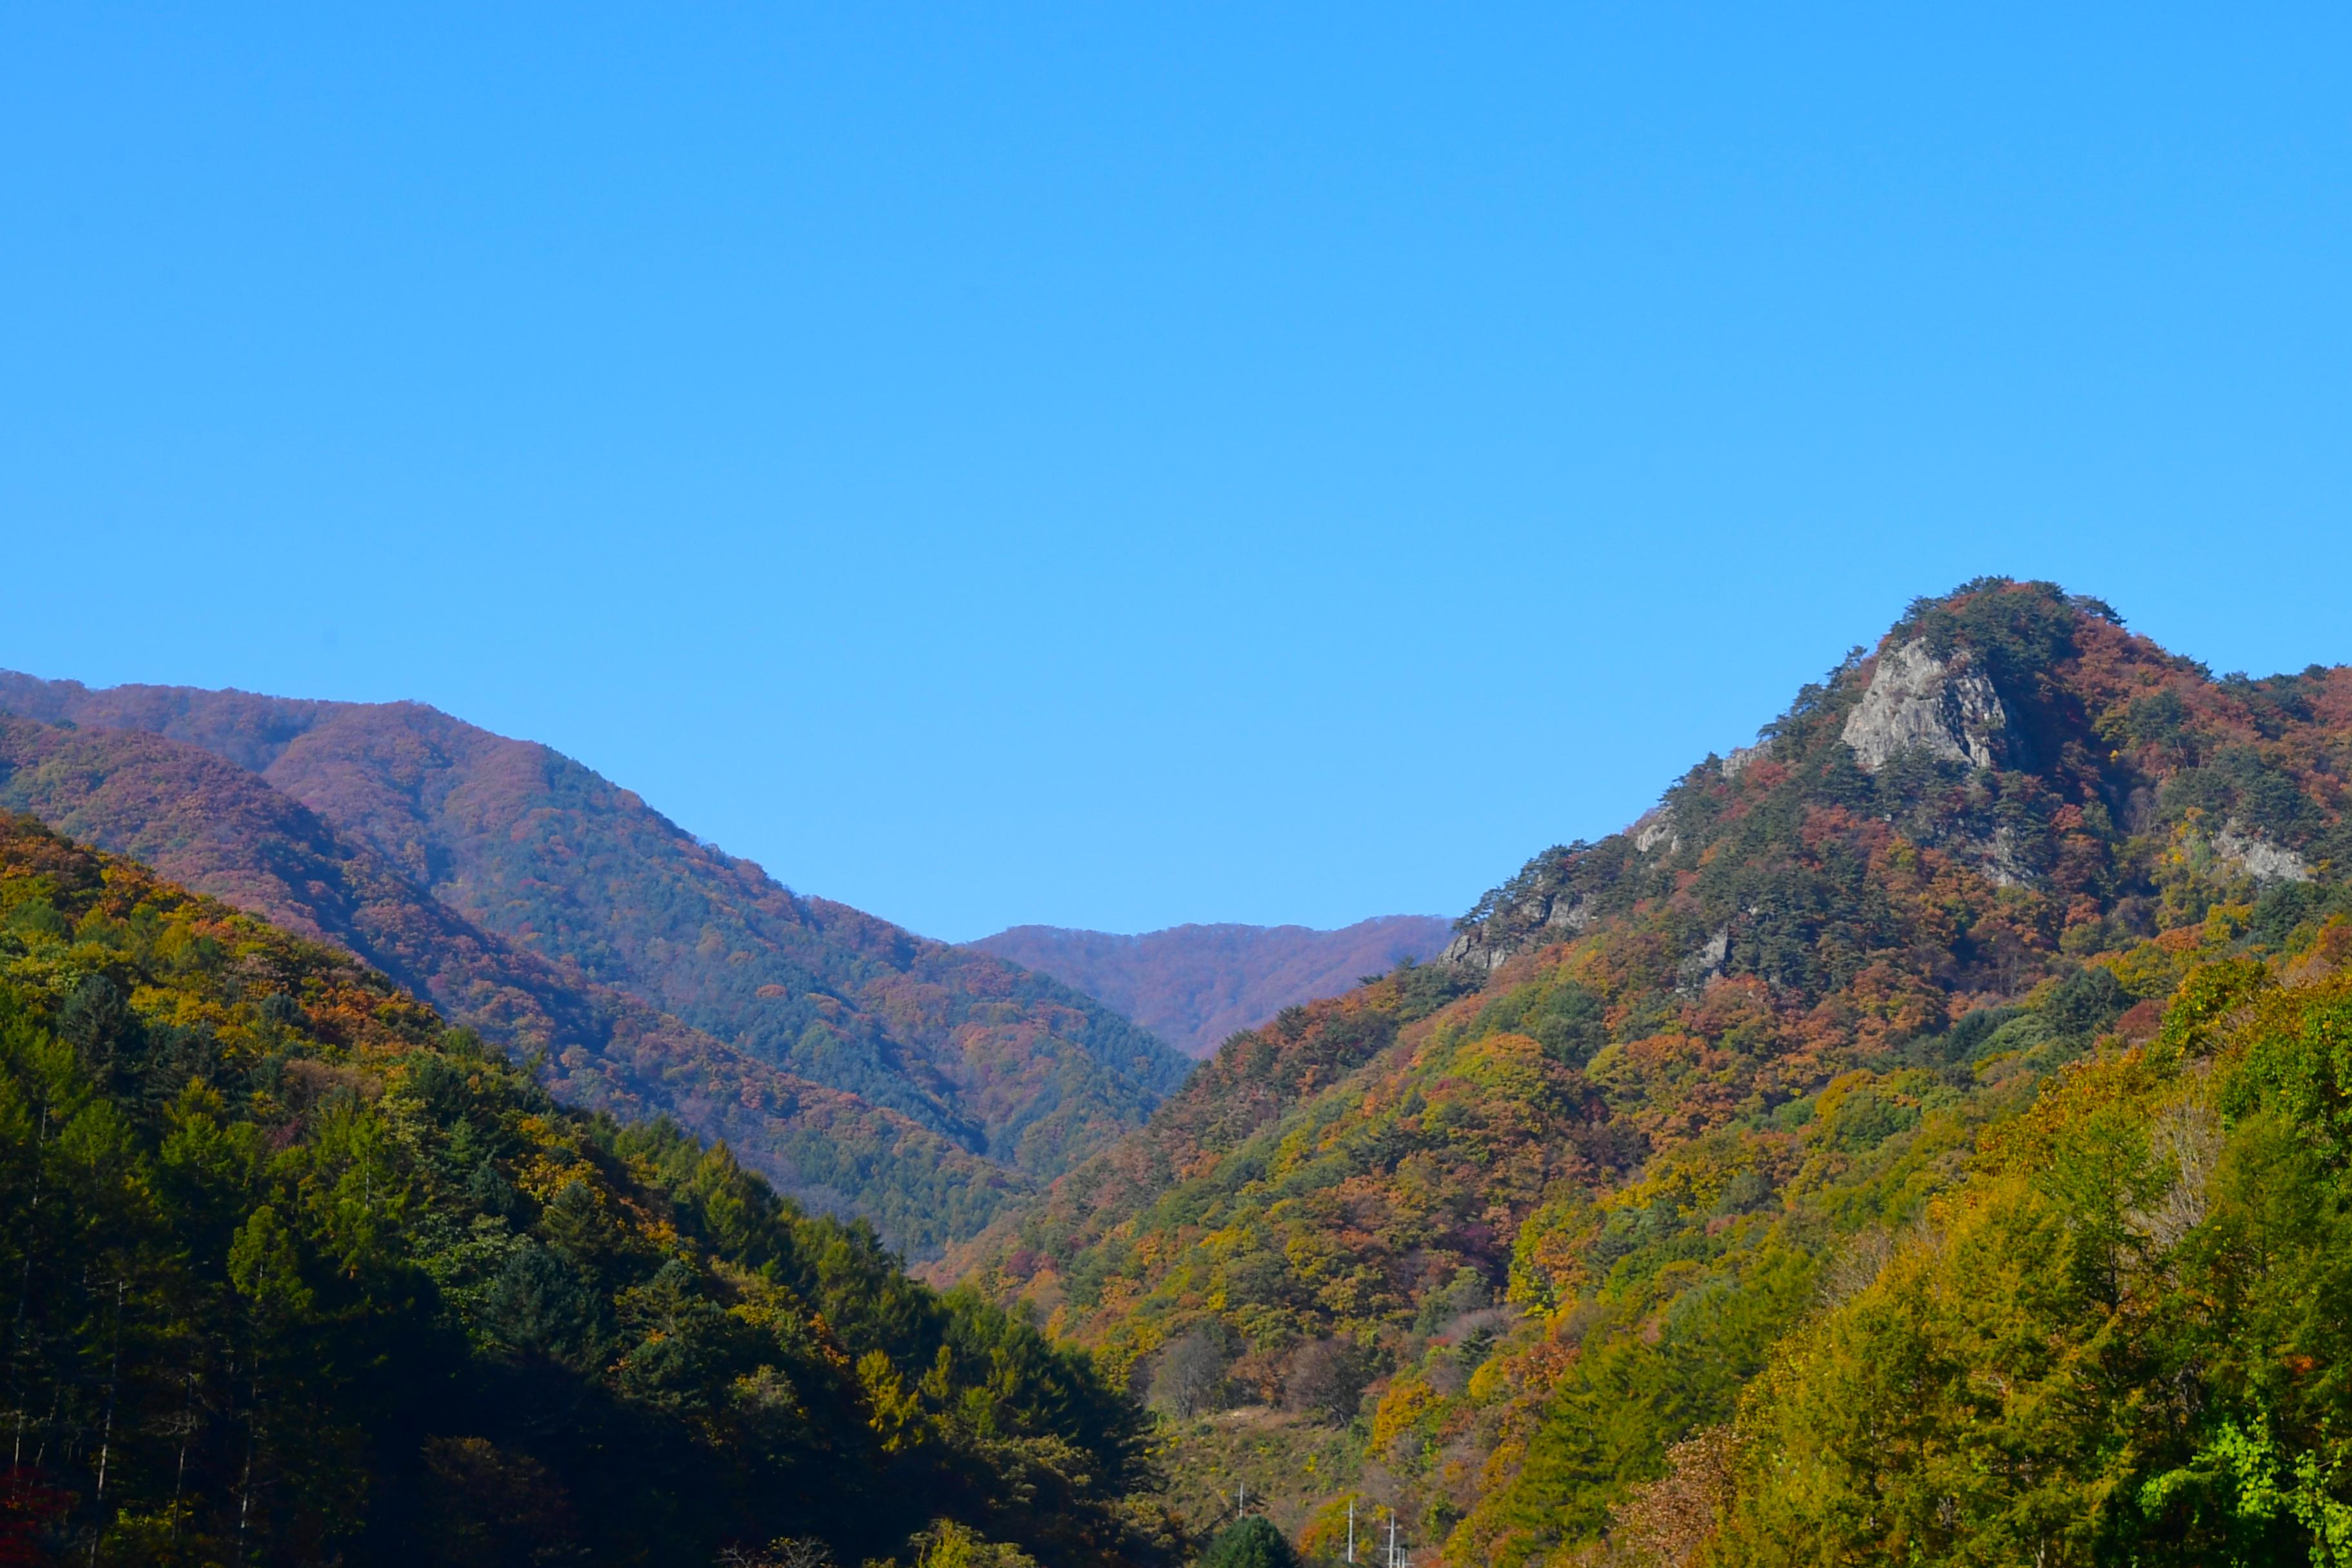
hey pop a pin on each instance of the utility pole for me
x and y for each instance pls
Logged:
(1352, 1530)
(1392, 1557)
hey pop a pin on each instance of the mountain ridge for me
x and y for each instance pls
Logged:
(225, 832)
(1195, 985)
(565, 868)
(1548, 1207)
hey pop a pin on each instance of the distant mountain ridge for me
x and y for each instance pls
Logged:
(1194, 985)
(483, 870)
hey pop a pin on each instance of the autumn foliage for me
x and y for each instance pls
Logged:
(861, 1067)
(1743, 1101)
(296, 1274)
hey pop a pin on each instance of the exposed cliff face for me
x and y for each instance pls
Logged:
(1917, 701)
(1544, 914)
(1657, 828)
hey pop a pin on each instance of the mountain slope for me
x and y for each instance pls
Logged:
(531, 846)
(223, 831)
(2122, 1340)
(1551, 1205)
(297, 1276)
(1193, 985)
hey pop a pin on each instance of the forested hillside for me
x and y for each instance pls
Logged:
(1915, 1141)
(450, 834)
(221, 830)
(1194, 985)
(296, 1274)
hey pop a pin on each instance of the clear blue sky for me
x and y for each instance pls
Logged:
(1117, 466)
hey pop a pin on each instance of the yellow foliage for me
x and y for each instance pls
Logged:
(1512, 1066)
(948, 1544)
(2147, 969)
(896, 1409)
(1405, 1405)
(1548, 1267)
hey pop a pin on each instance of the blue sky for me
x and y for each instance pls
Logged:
(1119, 465)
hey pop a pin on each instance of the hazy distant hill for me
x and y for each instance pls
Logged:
(461, 831)
(1194, 984)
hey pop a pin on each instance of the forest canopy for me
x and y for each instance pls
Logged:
(299, 1275)
(1875, 1153)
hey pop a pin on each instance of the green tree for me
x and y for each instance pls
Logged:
(1251, 1543)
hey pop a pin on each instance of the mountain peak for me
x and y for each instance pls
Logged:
(1988, 725)
(2016, 620)
(1679, 1088)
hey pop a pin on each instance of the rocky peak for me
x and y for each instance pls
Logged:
(1917, 701)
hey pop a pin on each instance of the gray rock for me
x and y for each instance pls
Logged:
(1998, 859)
(1569, 915)
(1707, 963)
(1732, 766)
(1470, 948)
(2256, 856)
(1539, 920)
(1919, 702)
(1657, 828)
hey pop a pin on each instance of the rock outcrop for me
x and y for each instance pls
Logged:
(1920, 702)
(1541, 918)
(1999, 857)
(1707, 963)
(2253, 854)
(1741, 757)
(1657, 828)
(1546, 903)
(1471, 948)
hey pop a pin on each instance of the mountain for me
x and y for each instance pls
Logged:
(1193, 985)
(1880, 1151)
(221, 830)
(516, 842)
(299, 1275)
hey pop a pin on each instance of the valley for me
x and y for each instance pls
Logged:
(1920, 1137)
